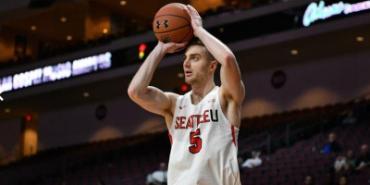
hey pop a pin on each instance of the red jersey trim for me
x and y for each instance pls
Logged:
(170, 137)
(233, 134)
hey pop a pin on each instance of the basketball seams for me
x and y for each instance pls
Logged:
(182, 40)
(172, 22)
(172, 15)
(173, 29)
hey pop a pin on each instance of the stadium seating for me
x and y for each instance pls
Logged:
(287, 159)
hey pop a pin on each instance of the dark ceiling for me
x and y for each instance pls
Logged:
(274, 56)
(62, 18)
(50, 27)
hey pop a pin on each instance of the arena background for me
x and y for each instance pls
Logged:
(65, 68)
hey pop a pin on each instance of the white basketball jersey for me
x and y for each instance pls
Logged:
(204, 144)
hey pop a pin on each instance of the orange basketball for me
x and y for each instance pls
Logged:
(172, 24)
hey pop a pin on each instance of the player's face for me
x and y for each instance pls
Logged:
(197, 66)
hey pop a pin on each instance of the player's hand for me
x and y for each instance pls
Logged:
(172, 47)
(196, 19)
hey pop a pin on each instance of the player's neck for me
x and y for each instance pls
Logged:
(199, 91)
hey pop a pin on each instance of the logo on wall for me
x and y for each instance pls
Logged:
(278, 79)
(59, 71)
(319, 11)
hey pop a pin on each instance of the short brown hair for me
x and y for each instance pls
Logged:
(196, 42)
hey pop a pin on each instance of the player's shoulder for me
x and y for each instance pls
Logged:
(173, 101)
(172, 95)
(173, 98)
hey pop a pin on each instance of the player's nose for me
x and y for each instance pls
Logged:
(186, 64)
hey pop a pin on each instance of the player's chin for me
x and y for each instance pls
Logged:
(189, 80)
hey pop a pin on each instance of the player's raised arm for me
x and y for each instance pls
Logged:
(231, 84)
(148, 97)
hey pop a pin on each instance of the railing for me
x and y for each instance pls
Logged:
(286, 134)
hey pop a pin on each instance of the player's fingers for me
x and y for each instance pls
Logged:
(174, 47)
(180, 45)
(179, 49)
(190, 11)
(193, 10)
(187, 9)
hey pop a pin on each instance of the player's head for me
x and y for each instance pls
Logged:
(332, 137)
(163, 166)
(199, 64)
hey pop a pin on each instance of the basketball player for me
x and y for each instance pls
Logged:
(203, 124)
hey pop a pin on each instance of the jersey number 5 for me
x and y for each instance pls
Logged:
(195, 141)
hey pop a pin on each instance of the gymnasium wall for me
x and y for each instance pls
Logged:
(317, 83)
(321, 82)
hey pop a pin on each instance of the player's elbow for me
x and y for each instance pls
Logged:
(137, 92)
(133, 92)
(230, 58)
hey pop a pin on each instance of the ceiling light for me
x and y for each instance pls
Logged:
(294, 52)
(105, 30)
(33, 28)
(63, 19)
(180, 75)
(7, 110)
(123, 3)
(86, 94)
(69, 38)
(360, 39)
(28, 118)
(221, 30)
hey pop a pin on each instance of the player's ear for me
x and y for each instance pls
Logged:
(213, 65)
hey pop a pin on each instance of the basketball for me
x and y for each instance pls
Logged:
(172, 24)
